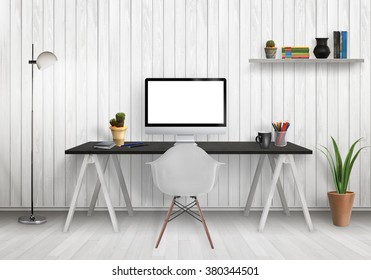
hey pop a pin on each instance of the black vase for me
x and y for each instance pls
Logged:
(321, 50)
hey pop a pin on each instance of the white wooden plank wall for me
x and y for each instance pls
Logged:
(105, 50)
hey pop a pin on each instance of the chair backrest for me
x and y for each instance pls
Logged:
(185, 170)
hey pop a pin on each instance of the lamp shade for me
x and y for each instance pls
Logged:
(45, 59)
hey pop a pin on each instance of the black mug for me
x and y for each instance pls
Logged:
(264, 139)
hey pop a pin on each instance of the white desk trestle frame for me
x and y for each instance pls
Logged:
(93, 159)
(276, 182)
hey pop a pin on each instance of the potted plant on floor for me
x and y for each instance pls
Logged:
(118, 129)
(270, 49)
(341, 200)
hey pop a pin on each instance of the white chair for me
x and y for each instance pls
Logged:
(185, 170)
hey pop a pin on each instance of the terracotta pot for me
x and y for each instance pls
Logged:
(118, 134)
(270, 53)
(341, 207)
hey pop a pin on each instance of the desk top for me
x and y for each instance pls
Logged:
(209, 147)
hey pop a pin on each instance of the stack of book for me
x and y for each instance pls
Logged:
(295, 52)
(104, 145)
(340, 44)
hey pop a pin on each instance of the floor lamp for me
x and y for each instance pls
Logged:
(43, 61)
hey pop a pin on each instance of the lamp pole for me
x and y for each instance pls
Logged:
(32, 220)
(32, 62)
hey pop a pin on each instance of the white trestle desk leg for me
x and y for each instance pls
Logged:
(76, 194)
(301, 192)
(106, 194)
(279, 187)
(124, 189)
(94, 198)
(267, 206)
(254, 184)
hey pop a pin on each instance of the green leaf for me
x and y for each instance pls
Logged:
(330, 160)
(347, 168)
(339, 163)
(351, 165)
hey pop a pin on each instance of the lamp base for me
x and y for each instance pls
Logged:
(32, 220)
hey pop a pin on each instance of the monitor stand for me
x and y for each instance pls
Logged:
(184, 139)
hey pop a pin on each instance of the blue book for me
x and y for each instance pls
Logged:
(341, 45)
(344, 42)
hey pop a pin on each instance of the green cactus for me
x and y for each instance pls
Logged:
(270, 44)
(119, 124)
(113, 122)
(119, 120)
(120, 117)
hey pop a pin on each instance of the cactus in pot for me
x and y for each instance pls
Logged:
(118, 128)
(270, 49)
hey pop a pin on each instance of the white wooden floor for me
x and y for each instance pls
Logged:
(234, 236)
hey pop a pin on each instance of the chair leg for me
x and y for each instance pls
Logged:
(165, 222)
(204, 223)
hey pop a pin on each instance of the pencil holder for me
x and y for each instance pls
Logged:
(280, 138)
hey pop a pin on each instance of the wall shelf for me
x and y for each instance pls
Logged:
(310, 60)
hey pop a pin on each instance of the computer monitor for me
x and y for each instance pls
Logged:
(185, 107)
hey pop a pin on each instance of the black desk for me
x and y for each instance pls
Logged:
(210, 147)
(277, 157)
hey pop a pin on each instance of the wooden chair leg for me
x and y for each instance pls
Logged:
(165, 222)
(204, 224)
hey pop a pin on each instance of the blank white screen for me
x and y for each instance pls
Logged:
(185, 102)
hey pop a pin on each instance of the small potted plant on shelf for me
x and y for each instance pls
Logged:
(118, 129)
(341, 200)
(270, 49)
